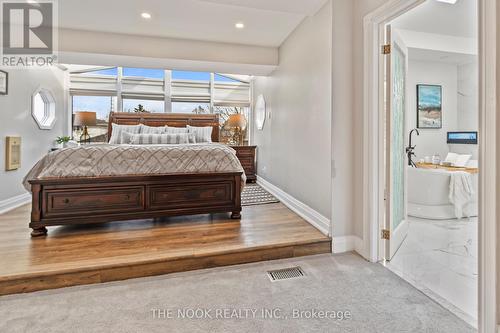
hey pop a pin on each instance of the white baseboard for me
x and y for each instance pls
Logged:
(319, 221)
(14, 202)
(347, 244)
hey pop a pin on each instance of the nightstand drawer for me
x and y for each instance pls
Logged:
(245, 153)
(246, 156)
(249, 169)
(246, 160)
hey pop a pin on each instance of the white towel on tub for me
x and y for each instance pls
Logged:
(461, 191)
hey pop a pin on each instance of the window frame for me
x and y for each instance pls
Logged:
(167, 89)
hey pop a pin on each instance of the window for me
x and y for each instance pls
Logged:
(106, 71)
(143, 105)
(190, 107)
(43, 108)
(156, 91)
(194, 76)
(102, 106)
(222, 78)
(144, 72)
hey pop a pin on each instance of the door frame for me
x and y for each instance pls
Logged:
(373, 145)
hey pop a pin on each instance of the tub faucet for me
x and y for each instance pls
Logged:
(410, 148)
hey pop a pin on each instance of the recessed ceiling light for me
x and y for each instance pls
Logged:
(239, 25)
(146, 16)
(448, 1)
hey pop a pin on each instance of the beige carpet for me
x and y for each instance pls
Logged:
(377, 300)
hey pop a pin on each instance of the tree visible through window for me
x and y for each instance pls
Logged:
(149, 105)
(190, 107)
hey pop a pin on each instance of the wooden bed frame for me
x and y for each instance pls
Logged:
(85, 200)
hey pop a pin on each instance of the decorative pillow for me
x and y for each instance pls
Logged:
(451, 158)
(151, 139)
(175, 130)
(462, 160)
(202, 134)
(118, 129)
(145, 129)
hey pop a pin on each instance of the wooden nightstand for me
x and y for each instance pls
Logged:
(246, 155)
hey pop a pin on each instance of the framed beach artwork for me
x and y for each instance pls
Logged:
(429, 106)
(4, 83)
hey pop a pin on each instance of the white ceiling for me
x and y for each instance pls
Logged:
(440, 56)
(267, 22)
(436, 17)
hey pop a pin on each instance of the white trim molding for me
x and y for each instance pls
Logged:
(14, 202)
(319, 221)
(488, 160)
(349, 243)
(374, 124)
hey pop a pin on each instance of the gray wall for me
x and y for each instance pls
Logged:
(468, 98)
(294, 149)
(16, 120)
(433, 141)
(468, 105)
(460, 105)
(342, 119)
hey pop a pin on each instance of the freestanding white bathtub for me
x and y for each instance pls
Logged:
(428, 195)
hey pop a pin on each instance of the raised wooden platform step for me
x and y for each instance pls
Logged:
(76, 255)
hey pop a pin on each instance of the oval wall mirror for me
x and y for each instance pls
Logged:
(43, 108)
(260, 112)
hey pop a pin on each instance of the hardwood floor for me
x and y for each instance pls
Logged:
(75, 255)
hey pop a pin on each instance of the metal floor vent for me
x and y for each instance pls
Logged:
(286, 273)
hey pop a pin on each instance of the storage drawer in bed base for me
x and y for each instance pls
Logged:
(68, 201)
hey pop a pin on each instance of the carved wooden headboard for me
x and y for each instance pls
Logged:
(162, 119)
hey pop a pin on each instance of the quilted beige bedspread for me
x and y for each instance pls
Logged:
(117, 160)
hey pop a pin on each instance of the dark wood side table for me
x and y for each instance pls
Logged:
(246, 155)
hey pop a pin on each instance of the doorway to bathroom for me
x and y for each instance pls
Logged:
(430, 225)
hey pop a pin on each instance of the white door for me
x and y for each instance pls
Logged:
(396, 161)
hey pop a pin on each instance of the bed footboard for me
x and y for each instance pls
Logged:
(85, 200)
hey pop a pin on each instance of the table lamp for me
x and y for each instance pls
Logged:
(84, 119)
(238, 123)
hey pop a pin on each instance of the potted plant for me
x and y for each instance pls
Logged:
(63, 140)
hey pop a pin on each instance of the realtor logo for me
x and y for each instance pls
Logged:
(28, 34)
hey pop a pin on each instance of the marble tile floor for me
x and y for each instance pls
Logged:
(440, 258)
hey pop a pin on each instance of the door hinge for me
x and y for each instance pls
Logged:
(386, 49)
(386, 234)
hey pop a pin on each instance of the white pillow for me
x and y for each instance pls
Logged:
(451, 158)
(145, 129)
(462, 160)
(202, 134)
(175, 130)
(151, 139)
(117, 130)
